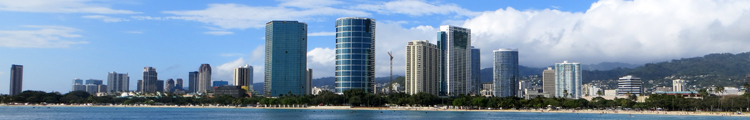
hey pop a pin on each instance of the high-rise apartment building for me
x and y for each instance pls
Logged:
(422, 67)
(118, 82)
(679, 85)
(355, 54)
(286, 58)
(308, 82)
(160, 85)
(243, 76)
(629, 84)
(149, 80)
(16, 79)
(568, 80)
(178, 84)
(455, 62)
(204, 79)
(193, 82)
(139, 86)
(548, 81)
(170, 86)
(475, 71)
(505, 72)
(78, 85)
(522, 86)
(95, 81)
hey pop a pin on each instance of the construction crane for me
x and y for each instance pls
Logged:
(389, 85)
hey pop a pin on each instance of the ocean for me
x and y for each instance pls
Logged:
(99, 113)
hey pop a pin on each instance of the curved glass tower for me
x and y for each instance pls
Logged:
(505, 73)
(355, 54)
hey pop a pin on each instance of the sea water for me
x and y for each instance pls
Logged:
(155, 113)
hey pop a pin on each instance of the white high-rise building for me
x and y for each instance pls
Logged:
(505, 72)
(629, 84)
(455, 60)
(679, 85)
(568, 80)
(243, 76)
(118, 82)
(422, 67)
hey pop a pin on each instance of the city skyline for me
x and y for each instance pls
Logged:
(81, 41)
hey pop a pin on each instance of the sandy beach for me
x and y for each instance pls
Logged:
(633, 113)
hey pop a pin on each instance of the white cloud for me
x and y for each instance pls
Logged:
(321, 34)
(60, 6)
(238, 16)
(225, 70)
(146, 18)
(134, 32)
(218, 32)
(322, 61)
(105, 18)
(42, 37)
(615, 31)
(416, 8)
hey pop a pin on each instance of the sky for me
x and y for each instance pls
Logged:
(60, 40)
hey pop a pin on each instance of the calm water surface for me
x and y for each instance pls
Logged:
(68, 113)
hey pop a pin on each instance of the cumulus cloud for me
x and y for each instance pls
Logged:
(226, 70)
(60, 6)
(322, 61)
(239, 16)
(105, 18)
(41, 37)
(416, 8)
(615, 31)
(321, 34)
(218, 32)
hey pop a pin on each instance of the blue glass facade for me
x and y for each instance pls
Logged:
(475, 71)
(455, 61)
(505, 73)
(355, 54)
(220, 83)
(286, 58)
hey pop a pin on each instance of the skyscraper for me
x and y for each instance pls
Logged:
(78, 85)
(139, 86)
(95, 81)
(178, 84)
(170, 86)
(243, 76)
(286, 58)
(679, 85)
(475, 71)
(308, 82)
(505, 72)
(568, 80)
(548, 81)
(629, 84)
(422, 67)
(193, 82)
(160, 85)
(16, 79)
(149, 80)
(355, 54)
(204, 79)
(117, 82)
(455, 49)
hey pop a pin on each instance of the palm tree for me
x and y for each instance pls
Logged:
(747, 87)
(720, 89)
(565, 93)
(599, 93)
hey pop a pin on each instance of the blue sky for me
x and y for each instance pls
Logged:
(58, 41)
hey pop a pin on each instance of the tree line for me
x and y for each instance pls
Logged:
(359, 98)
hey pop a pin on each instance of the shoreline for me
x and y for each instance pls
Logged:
(678, 113)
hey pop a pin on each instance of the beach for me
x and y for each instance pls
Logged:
(426, 109)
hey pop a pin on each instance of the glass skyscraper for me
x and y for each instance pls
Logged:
(505, 73)
(475, 71)
(568, 80)
(355, 54)
(286, 58)
(455, 60)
